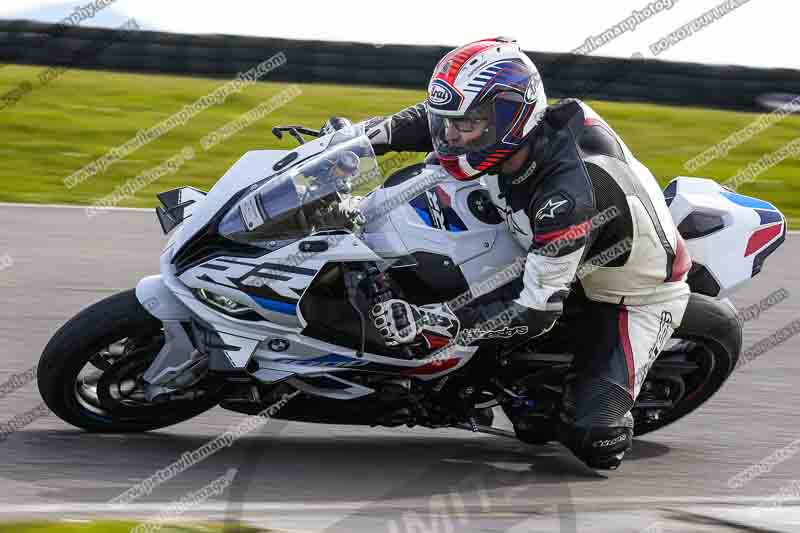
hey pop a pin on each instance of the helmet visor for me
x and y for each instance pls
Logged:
(458, 135)
(478, 129)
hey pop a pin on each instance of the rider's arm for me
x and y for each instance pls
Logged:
(406, 131)
(561, 230)
(535, 300)
(561, 207)
(530, 304)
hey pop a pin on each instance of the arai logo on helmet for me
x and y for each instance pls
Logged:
(442, 95)
(439, 95)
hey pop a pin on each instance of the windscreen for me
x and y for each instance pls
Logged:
(307, 197)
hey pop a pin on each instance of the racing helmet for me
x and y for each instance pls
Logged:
(484, 101)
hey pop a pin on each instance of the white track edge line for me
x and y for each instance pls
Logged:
(706, 501)
(139, 209)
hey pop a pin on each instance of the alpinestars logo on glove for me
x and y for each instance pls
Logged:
(505, 333)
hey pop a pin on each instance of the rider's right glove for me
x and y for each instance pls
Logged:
(379, 133)
(334, 124)
(400, 322)
(378, 130)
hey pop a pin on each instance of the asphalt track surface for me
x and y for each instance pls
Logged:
(305, 477)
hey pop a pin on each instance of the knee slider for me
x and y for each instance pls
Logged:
(598, 446)
(601, 441)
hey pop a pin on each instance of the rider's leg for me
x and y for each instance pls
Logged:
(616, 346)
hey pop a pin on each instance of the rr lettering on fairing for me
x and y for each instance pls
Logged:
(287, 281)
(435, 208)
(437, 216)
(330, 360)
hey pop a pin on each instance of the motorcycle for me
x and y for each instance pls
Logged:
(267, 280)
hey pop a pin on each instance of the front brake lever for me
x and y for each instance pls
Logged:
(309, 132)
(295, 131)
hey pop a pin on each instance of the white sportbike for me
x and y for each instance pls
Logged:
(267, 281)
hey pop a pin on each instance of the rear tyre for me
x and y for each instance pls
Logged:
(89, 372)
(708, 348)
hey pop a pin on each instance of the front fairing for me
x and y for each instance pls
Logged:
(251, 168)
(305, 199)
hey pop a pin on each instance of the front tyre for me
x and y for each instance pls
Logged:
(90, 372)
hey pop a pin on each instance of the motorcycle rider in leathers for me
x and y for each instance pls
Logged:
(594, 222)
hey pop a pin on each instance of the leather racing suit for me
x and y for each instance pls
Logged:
(598, 234)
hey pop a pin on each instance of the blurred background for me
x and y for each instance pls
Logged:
(674, 78)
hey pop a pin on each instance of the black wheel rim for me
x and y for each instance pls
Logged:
(671, 370)
(110, 385)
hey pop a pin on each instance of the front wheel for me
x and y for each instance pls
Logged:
(90, 373)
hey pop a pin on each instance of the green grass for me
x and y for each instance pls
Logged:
(55, 130)
(107, 526)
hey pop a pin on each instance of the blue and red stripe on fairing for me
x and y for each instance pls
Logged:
(434, 367)
(762, 237)
(276, 306)
(770, 218)
(344, 361)
(748, 201)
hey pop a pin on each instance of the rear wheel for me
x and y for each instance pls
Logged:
(90, 373)
(698, 359)
(702, 354)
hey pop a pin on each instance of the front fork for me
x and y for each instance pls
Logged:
(179, 364)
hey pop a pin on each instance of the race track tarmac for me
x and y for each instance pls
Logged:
(338, 478)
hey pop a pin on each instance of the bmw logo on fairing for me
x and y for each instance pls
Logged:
(278, 345)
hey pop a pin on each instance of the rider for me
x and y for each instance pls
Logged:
(592, 218)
